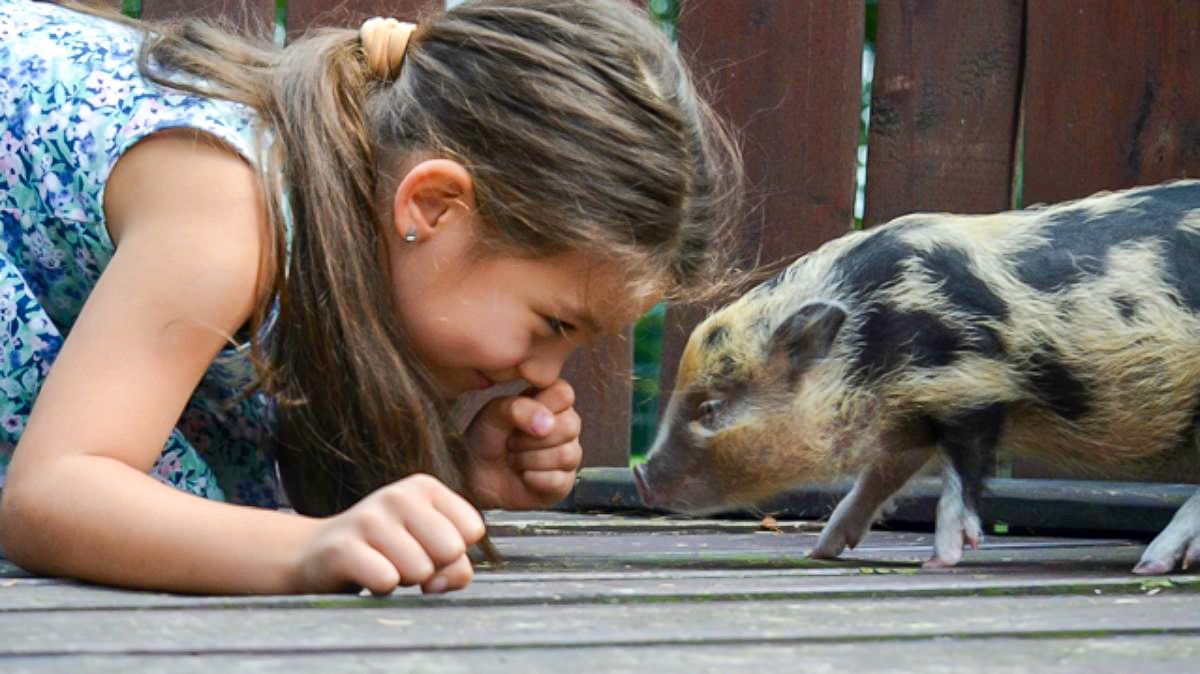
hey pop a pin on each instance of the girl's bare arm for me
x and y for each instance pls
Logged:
(78, 501)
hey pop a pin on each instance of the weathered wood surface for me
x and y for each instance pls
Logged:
(610, 593)
(1111, 96)
(944, 110)
(1145, 655)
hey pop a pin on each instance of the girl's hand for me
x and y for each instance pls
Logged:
(412, 532)
(525, 449)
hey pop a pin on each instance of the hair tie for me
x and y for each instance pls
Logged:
(385, 41)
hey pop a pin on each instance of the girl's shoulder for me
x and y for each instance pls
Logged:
(179, 172)
(73, 102)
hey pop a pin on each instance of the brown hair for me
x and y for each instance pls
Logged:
(582, 131)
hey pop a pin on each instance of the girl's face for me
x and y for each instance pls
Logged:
(477, 321)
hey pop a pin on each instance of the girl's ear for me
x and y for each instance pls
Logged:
(431, 195)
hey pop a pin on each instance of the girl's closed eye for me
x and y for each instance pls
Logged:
(559, 326)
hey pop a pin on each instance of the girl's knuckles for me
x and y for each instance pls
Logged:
(426, 484)
(450, 553)
(419, 573)
(570, 423)
(371, 524)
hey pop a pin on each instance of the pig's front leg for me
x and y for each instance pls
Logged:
(1179, 541)
(874, 486)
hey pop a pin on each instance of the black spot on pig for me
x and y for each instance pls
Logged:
(1056, 386)
(1183, 273)
(893, 339)
(984, 340)
(1078, 239)
(1126, 306)
(969, 440)
(726, 368)
(1191, 432)
(874, 263)
(773, 282)
(717, 336)
(966, 291)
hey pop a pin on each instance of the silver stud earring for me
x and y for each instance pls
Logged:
(411, 237)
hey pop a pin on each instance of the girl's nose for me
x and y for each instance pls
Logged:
(543, 369)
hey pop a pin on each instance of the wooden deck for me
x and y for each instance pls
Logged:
(583, 593)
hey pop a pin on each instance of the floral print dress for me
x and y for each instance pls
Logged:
(71, 102)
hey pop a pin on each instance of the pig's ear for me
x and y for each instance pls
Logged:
(805, 336)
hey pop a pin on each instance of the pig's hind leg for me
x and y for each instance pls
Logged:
(957, 523)
(968, 441)
(1180, 541)
(875, 485)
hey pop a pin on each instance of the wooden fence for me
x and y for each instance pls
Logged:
(977, 105)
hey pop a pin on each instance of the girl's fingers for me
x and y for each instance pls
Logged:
(437, 536)
(566, 456)
(531, 417)
(551, 482)
(457, 510)
(557, 397)
(408, 558)
(455, 576)
(567, 426)
(369, 567)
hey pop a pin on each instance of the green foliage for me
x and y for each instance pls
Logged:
(647, 333)
(647, 362)
(870, 30)
(666, 13)
(132, 8)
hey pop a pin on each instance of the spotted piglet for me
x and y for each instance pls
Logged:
(1069, 332)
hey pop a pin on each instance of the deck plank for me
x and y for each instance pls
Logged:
(630, 592)
(388, 629)
(554, 589)
(1146, 655)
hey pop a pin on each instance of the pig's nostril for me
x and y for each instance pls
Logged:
(639, 481)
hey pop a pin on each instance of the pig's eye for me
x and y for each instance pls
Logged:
(709, 412)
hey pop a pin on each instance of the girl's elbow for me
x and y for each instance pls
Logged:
(20, 503)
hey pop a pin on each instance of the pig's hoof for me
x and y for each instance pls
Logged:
(936, 562)
(835, 539)
(827, 549)
(1179, 542)
(1152, 568)
(1168, 550)
(955, 531)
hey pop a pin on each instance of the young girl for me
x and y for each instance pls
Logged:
(235, 272)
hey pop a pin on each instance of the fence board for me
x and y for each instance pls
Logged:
(601, 376)
(305, 14)
(257, 16)
(788, 76)
(1112, 99)
(943, 107)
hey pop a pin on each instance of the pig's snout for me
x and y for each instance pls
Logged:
(665, 484)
